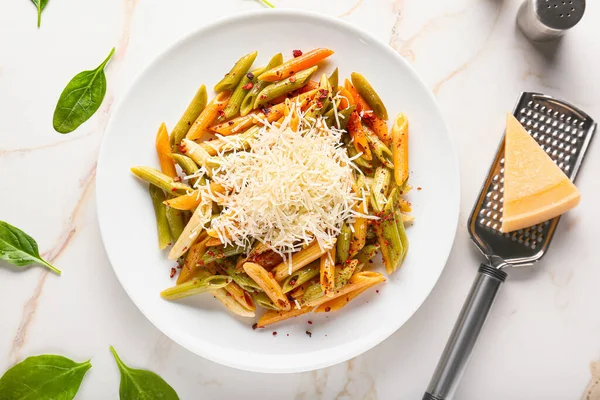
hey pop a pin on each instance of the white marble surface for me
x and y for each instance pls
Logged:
(542, 334)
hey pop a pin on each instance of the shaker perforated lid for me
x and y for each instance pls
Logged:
(559, 14)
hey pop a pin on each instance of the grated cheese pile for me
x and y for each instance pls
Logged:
(286, 190)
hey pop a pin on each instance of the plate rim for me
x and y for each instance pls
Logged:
(337, 23)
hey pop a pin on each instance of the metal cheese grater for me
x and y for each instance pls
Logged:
(564, 132)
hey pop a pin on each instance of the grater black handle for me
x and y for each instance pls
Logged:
(457, 352)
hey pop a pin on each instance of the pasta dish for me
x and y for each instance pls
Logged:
(279, 191)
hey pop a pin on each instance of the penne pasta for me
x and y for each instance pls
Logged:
(191, 231)
(334, 78)
(195, 286)
(232, 305)
(190, 264)
(175, 221)
(160, 212)
(240, 295)
(208, 116)
(271, 317)
(381, 151)
(366, 113)
(400, 149)
(301, 276)
(299, 260)
(294, 65)
(343, 243)
(185, 202)
(268, 284)
(360, 280)
(190, 115)
(344, 271)
(212, 242)
(327, 271)
(283, 87)
(381, 184)
(369, 94)
(365, 254)
(239, 94)
(237, 72)
(262, 300)
(160, 180)
(163, 150)
(359, 138)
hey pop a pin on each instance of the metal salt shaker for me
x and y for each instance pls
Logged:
(543, 20)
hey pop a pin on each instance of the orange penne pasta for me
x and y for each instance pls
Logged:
(190, 265)
(268, 284)
(295, 65)
(355, 129)
(212, 242)
(360, 280)
(347, 99)
(340, 302)
(228, 301)
(185, 202)
(241, 296)
(272, 316)
(400, 151)
(163, 149)
(310, 85)
(327, 272)
(378, 125)
(208, 116)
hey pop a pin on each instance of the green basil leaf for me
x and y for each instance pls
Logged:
(81, 98)
(40, 5)
(139, 384)
(45, 377)
(20, 249)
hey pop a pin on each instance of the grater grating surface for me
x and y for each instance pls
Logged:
(564, 132)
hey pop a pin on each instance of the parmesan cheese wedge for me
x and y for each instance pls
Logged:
(535, 188)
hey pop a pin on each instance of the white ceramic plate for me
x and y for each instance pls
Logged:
(202, 324)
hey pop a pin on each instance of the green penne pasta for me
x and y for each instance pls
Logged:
(343, 116)
(249, 100)
(343, 243)
(369, 94)
(189, 167)
(344, 272)
(241, 278)
(379, 188)
(389, 229)
(160, 212)
(381, 151)
(196, 286)
(189, 116)
(217, 253)
(301, 276)
(320, 104)
(401, 231)
(160, 180)
(285, 86)
(334, 79)
(239, 94)
(261, 299)
(365, 254)
(175, 221)
(237, 72)
(312, 293)
(195, 152)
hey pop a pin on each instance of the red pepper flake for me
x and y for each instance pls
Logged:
(250, 75)
(292, 79)
(173, 190)
(319, 104)
(293, 281)
(182, 148)
(221, 113)
(274, 333)
(377, 291)
(262, 97)
(310, 322)
(297, 53)
(177, 179)
(173, 271)
(228, 294)
(419, 188)
(254, 326)
(327, 309)
(231, 123)
(309, 333)
(248, 86)
(287, 334)
(323, 93)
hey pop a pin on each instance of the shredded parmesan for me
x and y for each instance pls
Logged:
(286, 189)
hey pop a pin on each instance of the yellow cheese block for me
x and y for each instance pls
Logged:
(535, 189)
